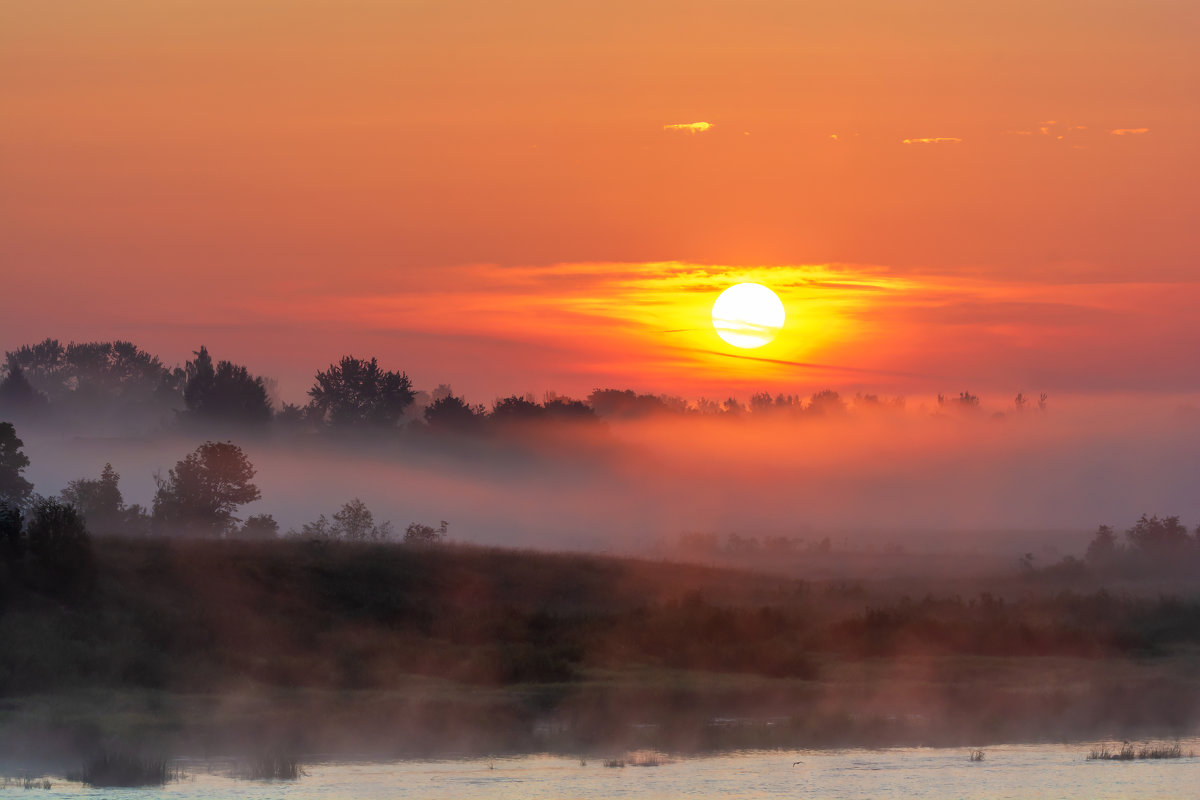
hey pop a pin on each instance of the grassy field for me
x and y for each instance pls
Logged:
(215, 647)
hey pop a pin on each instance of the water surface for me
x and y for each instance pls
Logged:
(1061, 772)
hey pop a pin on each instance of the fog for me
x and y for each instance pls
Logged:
(940, 479)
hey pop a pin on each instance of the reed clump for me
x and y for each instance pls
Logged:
(123, 770)
(1130, 753)
(976, 755)
(273, 767)
(26, 782)
(614, 762)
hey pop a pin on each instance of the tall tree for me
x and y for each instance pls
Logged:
(17, 393)
(452, 414)
(200, 494)
(98, 376)
(103, 507)
(356, 393)
(225, 393)
(14, 489)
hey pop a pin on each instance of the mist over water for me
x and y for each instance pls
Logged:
(868, 477)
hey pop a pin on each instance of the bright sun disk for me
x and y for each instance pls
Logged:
(748, 315)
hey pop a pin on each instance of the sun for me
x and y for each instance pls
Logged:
(748, 315)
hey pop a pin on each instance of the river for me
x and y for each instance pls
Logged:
(1062, 772)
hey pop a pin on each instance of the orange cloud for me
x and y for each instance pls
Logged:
(935, 140)
(688, 127)
(1128, 131)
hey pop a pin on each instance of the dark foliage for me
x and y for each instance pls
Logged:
(452, 414)
(226, 393)
(13, 487)
(58, 542)
(258, 527)
(121, 770)
(12, 532)
(96, 378)
(200, 494)
(356, 393)
(102, 505)
(18, 395)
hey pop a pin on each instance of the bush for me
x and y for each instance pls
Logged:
(58, 540)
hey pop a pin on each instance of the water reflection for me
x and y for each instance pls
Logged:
(1025, 771)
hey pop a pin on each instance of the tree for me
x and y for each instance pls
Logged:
(103, 507)
(12, 532)
(452, 414)
(419, 534)
(355, 392)
(1159, 538)
(826, 402)
(1103, 548)
(353, 523)
(226, 393)
(199, 496)
(97, 377)
(566, 409)
(17, 393)
(58, 540)
(14, 489)
(259, 527)
(516, 409)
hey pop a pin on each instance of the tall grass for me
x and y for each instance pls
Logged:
(272, 767)
(113, 770)
(1130, 753)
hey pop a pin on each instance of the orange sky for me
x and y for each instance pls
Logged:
(493, 195)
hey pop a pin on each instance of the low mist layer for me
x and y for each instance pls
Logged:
(886, 478)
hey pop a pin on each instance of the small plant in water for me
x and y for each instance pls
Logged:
(976, 755)
(1128, 752)
(273, 767)
(109, 770)
(614, 762)
(26, 782)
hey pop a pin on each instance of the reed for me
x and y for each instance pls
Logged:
(122, 770)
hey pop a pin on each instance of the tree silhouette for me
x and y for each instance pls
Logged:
(58, 540)
(103, 507)
(224, 393)
(354, 522)
(419, 534)
(566, 409)
(1102, 550)
(515, 409)
(14, 489)
(355, 392)
(1159, 538)
(12, 532)
(198, 497)
(93, 377)
(17, 393)
(452, 414)
(259, 527)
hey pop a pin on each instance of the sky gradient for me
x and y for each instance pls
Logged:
(512, 197)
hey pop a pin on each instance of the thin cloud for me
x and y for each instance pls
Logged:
(688, 127)
(934, 140)
(1129, 131)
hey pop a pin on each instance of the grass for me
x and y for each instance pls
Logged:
(26, 782)
(976, 755)
(122, 770)
(272, 767)
(1130, 753)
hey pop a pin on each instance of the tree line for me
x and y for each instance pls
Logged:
(118, 381)
(198, 498)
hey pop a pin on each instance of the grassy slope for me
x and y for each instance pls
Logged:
(209, 646)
